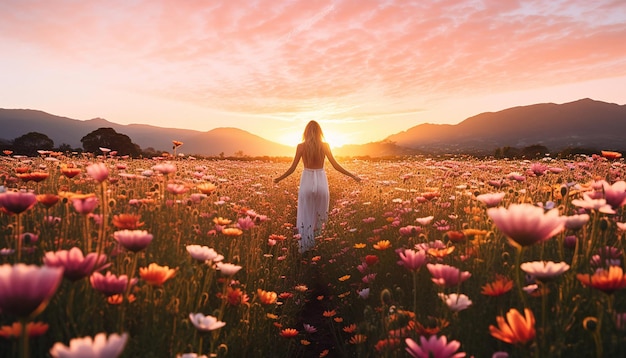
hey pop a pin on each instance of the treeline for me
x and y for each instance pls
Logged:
(31, 143)
(538, 151)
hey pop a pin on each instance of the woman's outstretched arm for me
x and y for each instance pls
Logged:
(294, 164)
(337, 166)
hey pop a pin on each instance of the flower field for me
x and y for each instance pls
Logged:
(424, 257)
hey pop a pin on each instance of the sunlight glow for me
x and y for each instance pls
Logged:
(336, 139)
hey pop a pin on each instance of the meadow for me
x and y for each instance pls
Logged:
(441, 257)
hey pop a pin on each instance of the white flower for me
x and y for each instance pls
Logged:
(205, 323)
(455, 301)
(544, 270)
(99, 347)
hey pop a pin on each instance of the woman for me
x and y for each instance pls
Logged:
(313, 196)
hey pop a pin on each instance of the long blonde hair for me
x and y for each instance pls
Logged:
(312, 138)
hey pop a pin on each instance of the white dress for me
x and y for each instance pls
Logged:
(313, 200)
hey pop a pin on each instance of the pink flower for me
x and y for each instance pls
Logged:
(544, 270)
(98, 171)
(591, 203)
(85, 204)
(576, 222)
(110, 284)
(165, 168)
(434, 347)
(16, 202)
(526, 224)
(100, 347)
(445, 275)
(409, 230)
(133, 240)
(26, 289)
(412, 260)
(75, 265)
(176, 188)
(615, 194)
(491, 199)
(245, 223)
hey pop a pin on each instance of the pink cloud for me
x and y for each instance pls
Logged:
(274, 57)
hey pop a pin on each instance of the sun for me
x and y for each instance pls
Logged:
(333, 138)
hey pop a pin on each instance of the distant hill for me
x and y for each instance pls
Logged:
(583, 123)
(16, 122)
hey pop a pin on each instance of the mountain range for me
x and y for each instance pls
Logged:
(585, 123)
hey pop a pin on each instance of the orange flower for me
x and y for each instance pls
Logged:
(440, 253)
(358, 339)
(232, 231)
(338, 319)
(516, 328)
(301, 288)
(344, 278)
(70, 172)
(324, 353)
(359, 245)
(289, 333)
(118, 299)
(304, 342)
(235, 296)
(177, 143)
(207, 188)
(382, 245)
(610, 154)
(604, 280)
(455, 236)
(156, 275)
(388, 344)
(329, 314)
(267, 297)
(127, 221)
(47, 200)
(500, 286)
(350, 329)
(33, 329)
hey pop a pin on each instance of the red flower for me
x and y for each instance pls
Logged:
(371, 260)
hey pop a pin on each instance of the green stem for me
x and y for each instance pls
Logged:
(519, 276)
(24, 352)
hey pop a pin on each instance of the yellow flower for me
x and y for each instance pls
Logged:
(206, 188)
(232, 231)
(360, 246)
(382, 245)
(221, 221)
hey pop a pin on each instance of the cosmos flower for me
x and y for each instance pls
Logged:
(491, 199)
(206, 188)
(544, 270)
(615, 194)
(100, 346)
(456, 302)
(17, 202)
(607, 281)
(33, 329)
(203, 253)
(590, 203)
(75, 265)
(412, 260)
(84, 204)
(156, 275)
(110, 284)
(382, 245)
(98, 171)
(127, 221)
(26, 289)
(448, 276)
(576, 222)
(267, 297)
(164, 168)
(205, 323)
(499, 286)
(288, 332)
(434, 347)
(515, 329)
(526, 224)
(228, 269)
(133, 240)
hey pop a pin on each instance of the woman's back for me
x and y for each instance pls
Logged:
(313, 155)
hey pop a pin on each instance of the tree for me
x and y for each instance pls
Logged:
(536, 151)
(31, 142)
(109, 138)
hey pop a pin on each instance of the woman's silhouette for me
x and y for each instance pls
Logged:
(313, 196)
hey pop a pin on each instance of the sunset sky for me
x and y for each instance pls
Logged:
(364, 69)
